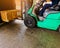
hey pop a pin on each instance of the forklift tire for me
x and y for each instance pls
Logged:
(58, 30)
(30, 22)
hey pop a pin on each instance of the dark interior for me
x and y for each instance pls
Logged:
(56, 8)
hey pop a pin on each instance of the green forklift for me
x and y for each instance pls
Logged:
(51, 21)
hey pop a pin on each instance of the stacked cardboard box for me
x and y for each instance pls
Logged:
(8, 15)
(7, 5)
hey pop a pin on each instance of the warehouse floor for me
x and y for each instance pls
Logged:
(17, 35)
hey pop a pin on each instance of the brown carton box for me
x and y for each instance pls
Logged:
(9, 15)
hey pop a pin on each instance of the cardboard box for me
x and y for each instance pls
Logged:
(9, 15)
(7, 5)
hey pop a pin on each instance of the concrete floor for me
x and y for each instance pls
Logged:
(17, 35)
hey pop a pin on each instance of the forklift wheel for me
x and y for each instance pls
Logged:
(30, 22)
(59, 29)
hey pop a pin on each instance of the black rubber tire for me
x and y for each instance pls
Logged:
(30, 22)
(58, 30)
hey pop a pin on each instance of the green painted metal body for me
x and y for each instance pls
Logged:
(52, 21)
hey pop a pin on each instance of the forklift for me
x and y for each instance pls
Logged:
(51, 21)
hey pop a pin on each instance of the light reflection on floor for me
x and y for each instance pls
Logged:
(17, 35)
